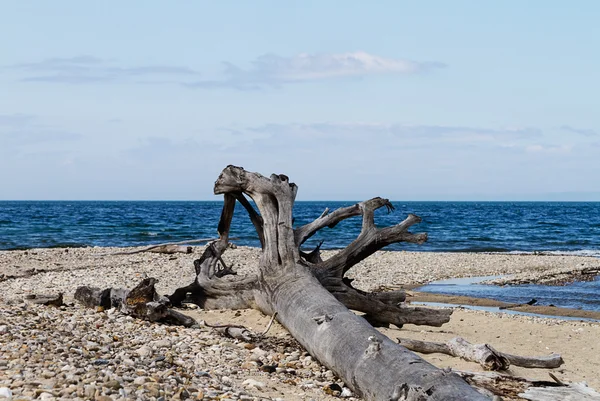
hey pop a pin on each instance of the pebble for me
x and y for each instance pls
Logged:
(251, 383)
(144, 351)
(51, 354)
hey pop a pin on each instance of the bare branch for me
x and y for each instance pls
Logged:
(301, 234)
(484, 354)
(255, 218)
(370, 241)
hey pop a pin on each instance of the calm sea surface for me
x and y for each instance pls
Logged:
(569, 227)
(553, 227)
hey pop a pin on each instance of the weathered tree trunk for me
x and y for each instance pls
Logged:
(309, 294)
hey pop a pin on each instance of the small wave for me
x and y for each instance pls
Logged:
(478, 249)
(582, 252)
(69, 245)
(551, 224)
(34, 246)
(482, 239)
(148, 234)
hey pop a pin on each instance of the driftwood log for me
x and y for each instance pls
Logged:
(142, 302)
(511, 387)
(46, 299)
(168, 248)
(311, 296)
(484, 354)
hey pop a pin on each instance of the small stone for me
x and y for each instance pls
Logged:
(138, 381)
(113, 384)
(346, 393)
(46, 397)
(144, 351)
(89, 391)
(333, 389)
(251, 383)
(249, 365)
(5, 392)
(3, 330)
(268, 368)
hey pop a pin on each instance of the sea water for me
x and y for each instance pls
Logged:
(553, 227)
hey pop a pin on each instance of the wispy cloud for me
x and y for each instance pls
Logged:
(549, 149)
(413, 135)
(271, 70)
(580, 131)
(15, 120)
(89, 69)
(19, 131)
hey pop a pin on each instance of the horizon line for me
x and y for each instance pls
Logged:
(305, 200)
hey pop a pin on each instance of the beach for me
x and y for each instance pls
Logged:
(109, 355)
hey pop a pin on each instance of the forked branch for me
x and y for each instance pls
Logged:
(370, 240)
(301, 234)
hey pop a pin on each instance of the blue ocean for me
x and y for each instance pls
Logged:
(559, 227)
(571, 228)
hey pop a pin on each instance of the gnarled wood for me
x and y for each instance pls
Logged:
(484, 354)
(293, 287)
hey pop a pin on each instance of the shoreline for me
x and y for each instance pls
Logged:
(385, 270)
(542, 310)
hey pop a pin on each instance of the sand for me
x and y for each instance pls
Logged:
(62, 270)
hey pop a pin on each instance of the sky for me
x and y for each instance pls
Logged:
(427, 100)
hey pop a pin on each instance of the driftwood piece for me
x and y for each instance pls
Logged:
(169, 247)
(48, 300)
(519, 388)
(484, 354)
(306, 295)
(572, 392)
(141, 302)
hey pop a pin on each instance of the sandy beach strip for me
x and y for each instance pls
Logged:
(48, 271)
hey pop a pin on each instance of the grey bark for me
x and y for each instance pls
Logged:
(297, 289)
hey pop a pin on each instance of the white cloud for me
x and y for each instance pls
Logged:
(273, 70)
